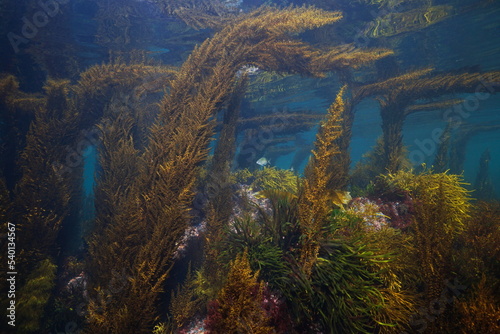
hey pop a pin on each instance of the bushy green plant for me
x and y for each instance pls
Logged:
(269, 178)
(442, 208)
(355, 286)
(340, 295)
(164, 328)
(264, 255)
(34, 296)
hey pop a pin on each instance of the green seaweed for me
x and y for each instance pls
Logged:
(34, 296)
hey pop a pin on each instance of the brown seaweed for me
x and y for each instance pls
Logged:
(314, 204)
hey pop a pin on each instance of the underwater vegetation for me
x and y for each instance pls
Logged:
(416, 19)
(398, 98)
(314, 198)
(237, 307)
(190, 231)
(269, 178)
(159, 198)
(440, 212)
(34, 296)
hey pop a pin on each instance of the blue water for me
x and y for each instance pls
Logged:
(89, 170)
(84, 33)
